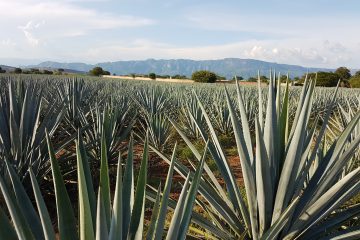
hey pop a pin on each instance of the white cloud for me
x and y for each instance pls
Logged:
(276, 26)
(311, 53)
(28, 32)
(68, 30)
(7, 42)
(63, 19)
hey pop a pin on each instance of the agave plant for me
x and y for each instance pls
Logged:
(114, 122)
(282, 199)
(122, 218)
(190, 110)
(338, 123)
(159, 130)
(24, 116)
(151, 101)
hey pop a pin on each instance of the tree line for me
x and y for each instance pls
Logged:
(324, 79)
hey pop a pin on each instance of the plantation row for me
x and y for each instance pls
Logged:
(90, 144)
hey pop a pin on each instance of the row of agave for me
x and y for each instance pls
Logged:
(294, 182)
(98, 217)
(294, 187)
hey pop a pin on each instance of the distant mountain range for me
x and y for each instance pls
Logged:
(7, 68)
(11, 69)
(227, 67)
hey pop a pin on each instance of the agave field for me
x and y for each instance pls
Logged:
(93, 158)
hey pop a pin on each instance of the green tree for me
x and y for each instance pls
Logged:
(47, 72)
(97, 71)
(283, 78)
(2, 70)
(343, 73)
(239, 78)
(17, 70)
(218, 77)
(355, 81)
(252, 79)
(178, 76)
(152, 76)
(204, 76)
(263, 79)
(35, 71)
(327, 79)
(323, 79)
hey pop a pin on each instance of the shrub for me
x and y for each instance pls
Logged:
(47, 72)
(355, 81)
(97, 71)
(343, 73)
(327, 79)
(204, 76)
(152, 76)
(18, 70)
(239, 78)
(323, 79)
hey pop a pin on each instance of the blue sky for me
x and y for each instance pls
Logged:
(316, 33)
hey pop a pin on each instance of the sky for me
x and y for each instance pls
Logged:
(311, 33)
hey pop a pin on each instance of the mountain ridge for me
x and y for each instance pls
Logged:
(227, 67)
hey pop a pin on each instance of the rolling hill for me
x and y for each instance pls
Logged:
(227, 67)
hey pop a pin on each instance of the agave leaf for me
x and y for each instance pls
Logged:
(81, 154)
(25, 204)
(104, 180)
(15, 137)
(248, 174)
(352, 233)
(174, 227)
(336, 195)
(86, 227)
(190, 198)
(116, 228)
(279, 224)
(333, 222)
(292, 160)
(128, 192)
(337, 168)
(301, 101)
(137, 216)
(221, 161)
(48, 230)
(155, 212)
(101, 225)
(270, 135)
(323, 168)
(278, 96)
(21, 226)
(65, 212)
(263, 182)
(325, 123)
(260, 101)
(198, 156)
(245, 126)
(214, 199)
(308, 144)
(284, 123)
(160, 222)
(197, 218)
(6, 230)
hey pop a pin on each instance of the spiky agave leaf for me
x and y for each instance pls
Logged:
(283, 162)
